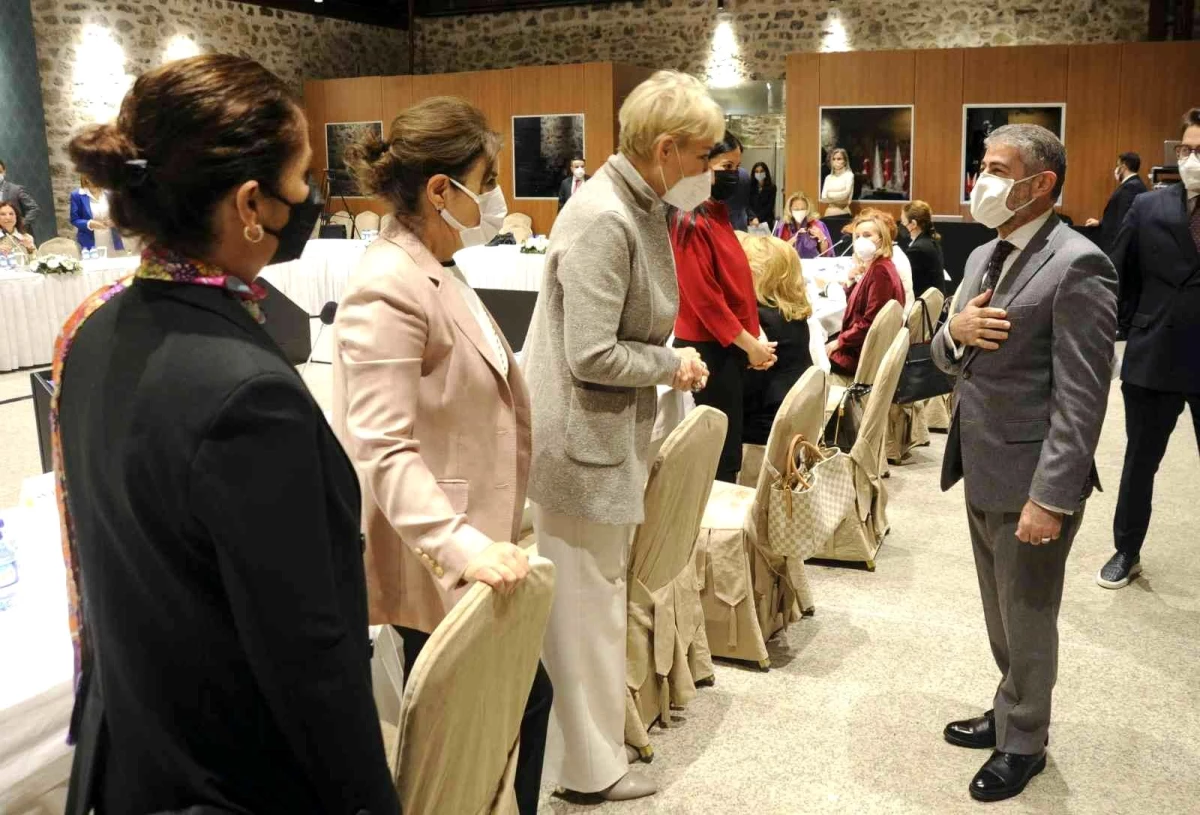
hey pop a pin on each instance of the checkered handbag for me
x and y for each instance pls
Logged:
(809, 501)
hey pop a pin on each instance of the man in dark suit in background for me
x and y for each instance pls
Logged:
(1033, 381)
(1129, 186)
(572, 183)
(9, 191)
(1157, 255)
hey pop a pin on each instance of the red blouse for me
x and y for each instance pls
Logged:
(716, 286)
(871, 293)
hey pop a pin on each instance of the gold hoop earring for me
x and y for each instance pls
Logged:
(258, 236)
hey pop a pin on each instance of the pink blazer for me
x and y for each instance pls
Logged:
(439, 437)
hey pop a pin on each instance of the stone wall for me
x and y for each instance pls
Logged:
(89, 51)
(765, 130)
(754, 38)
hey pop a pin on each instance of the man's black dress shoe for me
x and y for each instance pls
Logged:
(978, 733)
(1005, 775)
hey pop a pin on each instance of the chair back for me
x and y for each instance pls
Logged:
(681, 479)
(872, 433)
(519, 225)
(60, 246)
(367, 220)
(465, 696)
(930, 303)
(888, 321)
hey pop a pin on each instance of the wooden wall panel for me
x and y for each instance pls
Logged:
(803, 125)
(1091, 139)
(359, 99)
(624, 79)
(397, 94)
(1157, 87)
(867, 78)
(937, 129)
(1036, 73)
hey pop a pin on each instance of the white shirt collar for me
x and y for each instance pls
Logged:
(1021, 236)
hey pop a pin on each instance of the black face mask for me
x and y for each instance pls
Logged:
(725, 184)
(294, 235)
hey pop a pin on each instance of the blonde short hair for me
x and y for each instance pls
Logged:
(669, 103)
(778, 278)
(884, 223)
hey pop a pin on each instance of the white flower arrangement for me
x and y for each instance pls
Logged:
(57, 264)
(535, 245)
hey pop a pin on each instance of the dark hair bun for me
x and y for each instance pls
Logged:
(100, 153)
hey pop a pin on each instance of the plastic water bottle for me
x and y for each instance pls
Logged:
(8, 570)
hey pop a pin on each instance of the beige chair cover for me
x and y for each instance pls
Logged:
(887, 322)
(367, 220)
(463, 702)
(748, 596)
(662, 624)
(386, 222)
(859, 536)
(519, 225)
(939, 409)
(342, 218)
(907, 424)
(60, 246)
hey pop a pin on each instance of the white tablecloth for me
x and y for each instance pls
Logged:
(501, 267)
(319, 276)
(36, 684)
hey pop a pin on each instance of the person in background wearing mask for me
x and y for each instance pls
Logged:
(898, 257)
(1129, 186)
(800, 227)
(738, 202)
(718, 308)
(873, 282)
(762, 197)
(572, 183)
(427, 396)
(1030, 340)
(596, 350)
(838, 187)
(210, 517)
(924, 248)
(1157, 255)
(13, 237)
(26, 206)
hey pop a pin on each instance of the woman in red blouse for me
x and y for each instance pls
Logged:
(718, 309)
(873, 282)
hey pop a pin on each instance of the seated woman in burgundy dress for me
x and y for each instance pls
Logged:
(873, 282)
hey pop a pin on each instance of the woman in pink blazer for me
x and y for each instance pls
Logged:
(428, 399)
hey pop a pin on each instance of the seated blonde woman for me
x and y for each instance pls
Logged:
(783, 312)
(873, 282)
(800, 227)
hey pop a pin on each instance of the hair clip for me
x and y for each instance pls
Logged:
(136, 171)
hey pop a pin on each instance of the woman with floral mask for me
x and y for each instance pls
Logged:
(873, 282)
(800, 227)
(428, 398)
(596, 350)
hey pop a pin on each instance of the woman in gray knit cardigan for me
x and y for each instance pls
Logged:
(596, 351)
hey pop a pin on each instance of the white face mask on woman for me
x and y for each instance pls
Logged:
(989, 199)
(688, 192)
(865, 249)
(492, 212)
(760, 177)
(798, 215)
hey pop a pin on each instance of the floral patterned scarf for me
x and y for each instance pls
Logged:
(157, 264)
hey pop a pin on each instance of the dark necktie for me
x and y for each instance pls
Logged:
(996, 265)
(1194, 222)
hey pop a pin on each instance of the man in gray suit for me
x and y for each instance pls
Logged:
(9, 191)
(1031, 342)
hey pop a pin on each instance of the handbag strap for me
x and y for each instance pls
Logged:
(792, 475)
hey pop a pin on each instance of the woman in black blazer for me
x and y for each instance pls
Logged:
(213, 517)
(762, 197)
(783, 312)
(925, 250)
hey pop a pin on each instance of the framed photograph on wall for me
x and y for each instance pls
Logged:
(338, 137)
(981, 120)
(543, 148)
(878, 140)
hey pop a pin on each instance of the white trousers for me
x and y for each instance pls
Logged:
(585, 649)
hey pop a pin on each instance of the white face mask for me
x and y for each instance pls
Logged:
(578, 173)
(798, 215)
(989, 200)
(865, 249)
(688, 192)
(492, 212)
(760, 176)
(1189, 171)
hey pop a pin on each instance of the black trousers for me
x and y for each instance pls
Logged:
(726, 375)
(1150, 418)
(533, 726)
